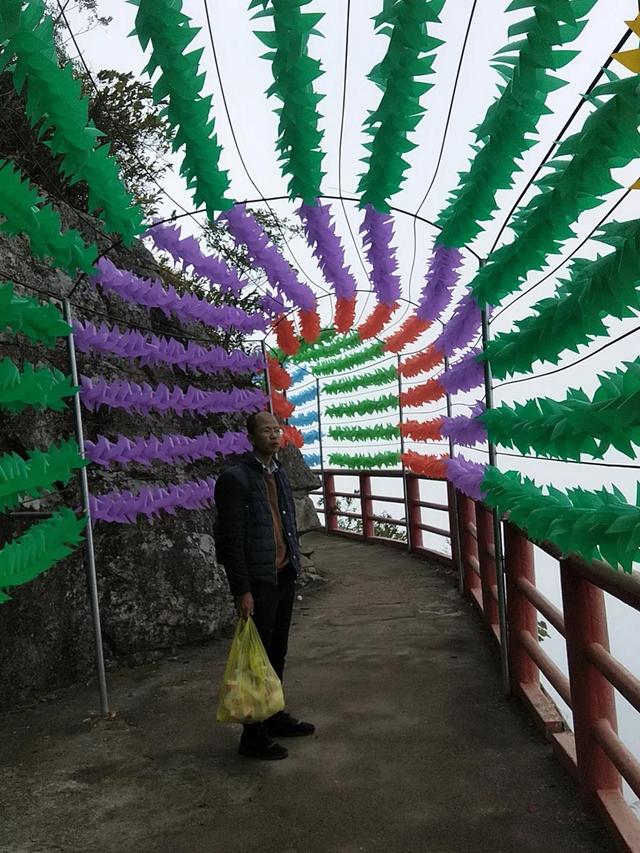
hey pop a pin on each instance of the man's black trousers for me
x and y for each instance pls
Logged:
(272, 610)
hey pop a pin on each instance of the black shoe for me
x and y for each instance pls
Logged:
(263, 747)
(284, 725)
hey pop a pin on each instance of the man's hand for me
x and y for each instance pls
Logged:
(244, 605)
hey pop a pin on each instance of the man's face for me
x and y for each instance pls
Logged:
(267, 435)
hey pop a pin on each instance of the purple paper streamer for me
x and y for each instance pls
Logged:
(168, 238)
(246, 230)
(272, 305)
(186, 307)
(466, 374)
(440, 280)
(161, 350)
(466, 430)
(461, 328)
(168, 448)
(466, 476)
(143, 398)
(125, 507)
(377, 231)
(327, 248)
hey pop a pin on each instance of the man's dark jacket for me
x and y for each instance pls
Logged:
(245, 544)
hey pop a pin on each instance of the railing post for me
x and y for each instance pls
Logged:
(592, 695)
(414, 534)
(468, 544)
(487, 561)
(405, 484)
(329, 488)
(366, 507)
(454, 527)
(521, 614)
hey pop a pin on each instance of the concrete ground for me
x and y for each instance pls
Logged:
(416, 749)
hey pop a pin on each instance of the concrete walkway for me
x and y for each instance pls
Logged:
(416, 749)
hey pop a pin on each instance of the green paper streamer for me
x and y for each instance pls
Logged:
(41, 323)
(347, 362)
(329, 344)
(399, 111)
(363, 407)
(383, 376)
(163, 24)
(576, 425)
(370, 433)
(25, 212)
(294, 72)
(511, 119)
(609, 140)
(37, 550)
(41, 388)
(600, 524)
(20, 477)
(606, 287)
(54, 101)
(388, 459)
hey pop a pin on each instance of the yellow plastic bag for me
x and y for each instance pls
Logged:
(250, 690)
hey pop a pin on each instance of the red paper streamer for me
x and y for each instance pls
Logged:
(409, 332)
(422, 431)
(310, 325)
(282, 408)
(377, 320)
(426, 464)
(422, 362)
(286, 335)
(427, 392)
(291, 435)
(345, 314)
(279, 379)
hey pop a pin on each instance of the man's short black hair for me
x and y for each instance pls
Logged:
(252, 421)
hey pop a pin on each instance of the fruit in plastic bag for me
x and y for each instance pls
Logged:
(250, 690)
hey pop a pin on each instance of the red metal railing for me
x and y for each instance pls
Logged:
(592, 751)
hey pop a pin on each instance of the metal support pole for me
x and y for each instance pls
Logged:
(90, 560)
(324, 493)
(267, 383)
(405, 489)
(497, 527)
(454, 514)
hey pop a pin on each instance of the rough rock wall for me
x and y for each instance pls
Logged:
(159, 583)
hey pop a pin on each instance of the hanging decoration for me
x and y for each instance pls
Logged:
(32, 476)
(41, 547)
(163, 25)
(382, 376)
(294, 73)
(167, 238)
(422, 362)
(410, 331)
(409, 56)
(25, 211)
(362, 461)
(310, 436)
(466, 430)
(54, 104)
(312, 459)
(279, 379)
(41, 323)
(579, 178)
(465, 375)
(300, 419)
(379, 432)
(286, 336)
(144, 398)
(442, 276)
(426, 392)
(187, 307)
(151, 349)
(377, 320)
(247, 231)
(427, 465)
(606, 287)
(430, 430)
(40, 388)
(169, 448)
(349, 361)
(125, 507)
(328, 345)
(305, 395)
(377, 237)
(292, 435)
(577, 425)
(466, 476)
(310, 325)
(282, 408)
(363, 407)
(329, 252)
(593, 524)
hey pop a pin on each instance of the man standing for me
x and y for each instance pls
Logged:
(257, 543)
